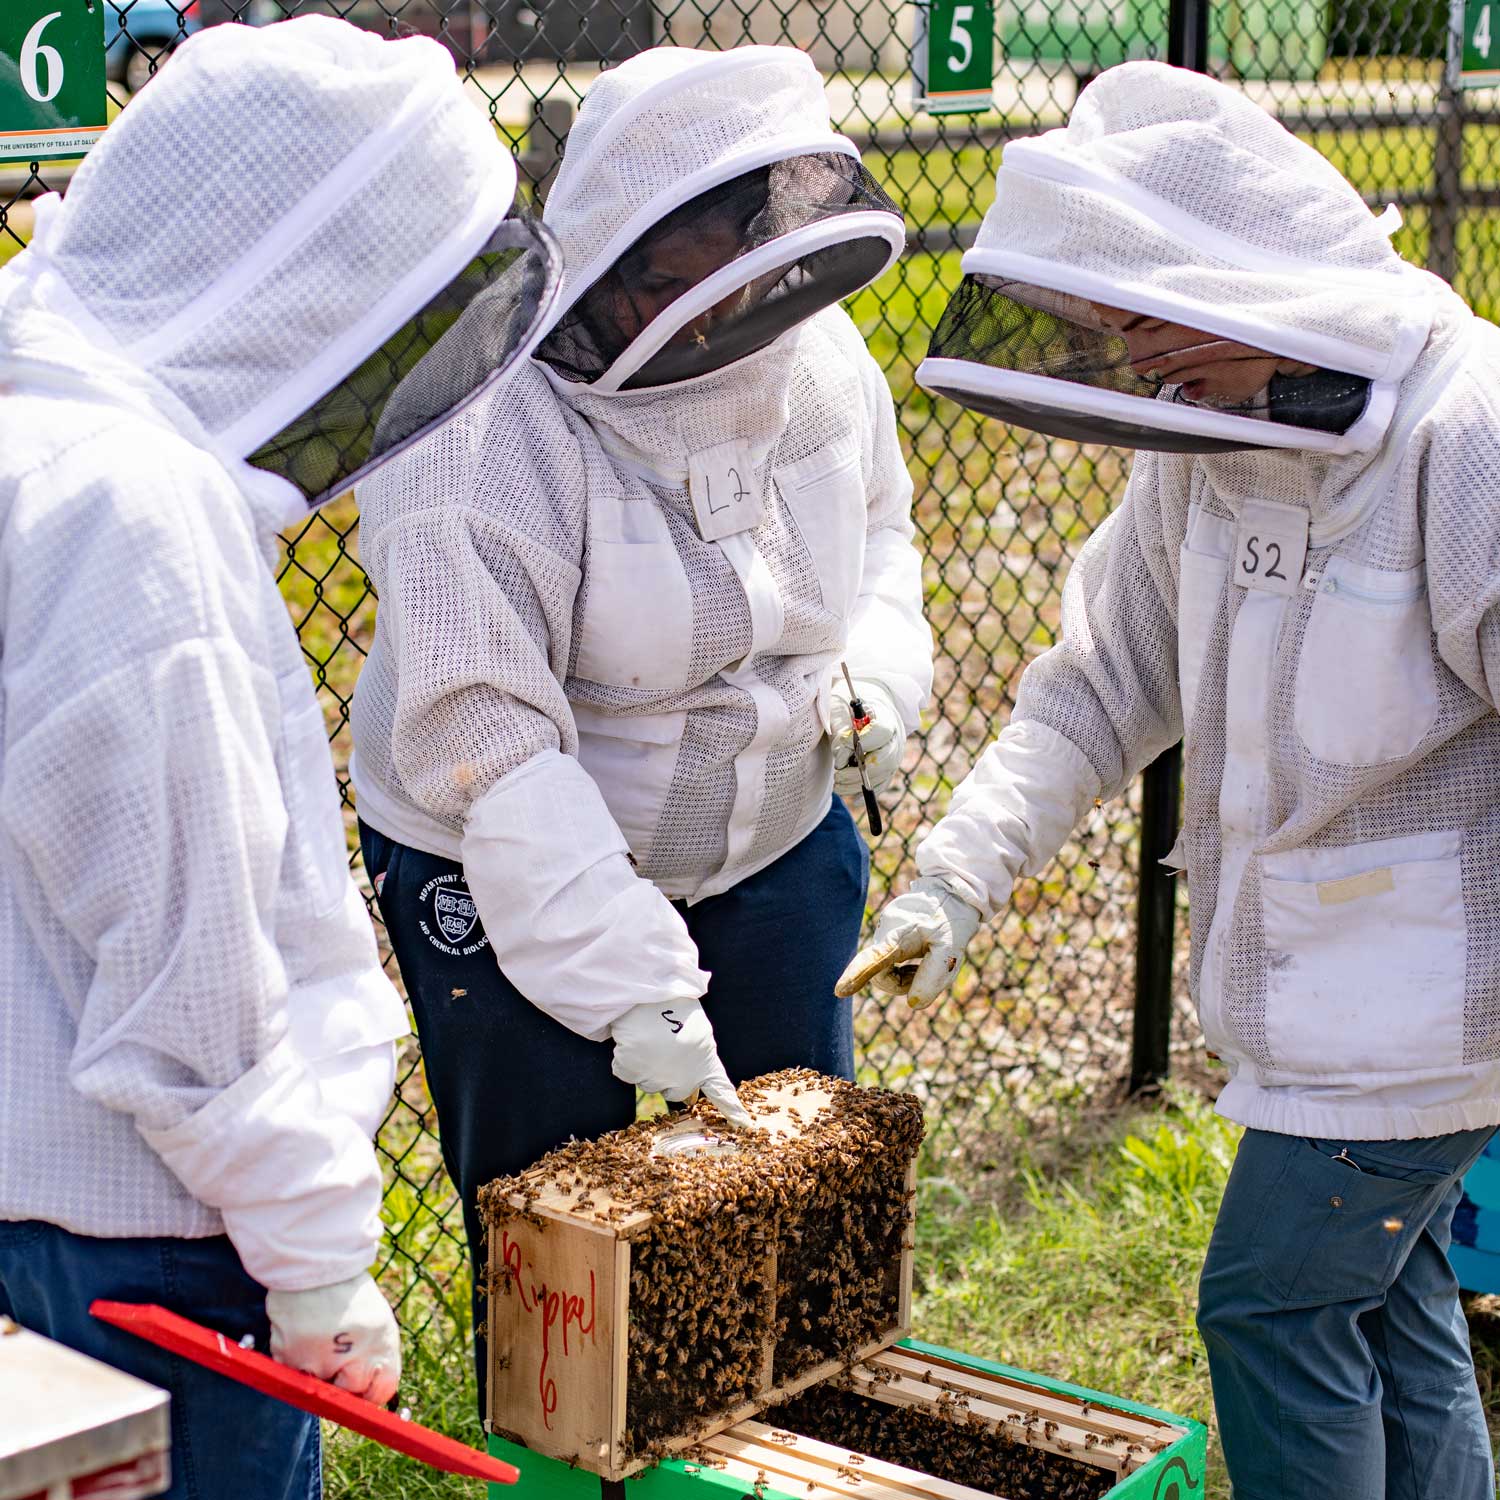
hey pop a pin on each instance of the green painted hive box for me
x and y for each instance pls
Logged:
(912, 1421)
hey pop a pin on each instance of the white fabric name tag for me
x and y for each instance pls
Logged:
(1270, 547)
(726, 495)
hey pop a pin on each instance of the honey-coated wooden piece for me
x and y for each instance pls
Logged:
(669, 1280)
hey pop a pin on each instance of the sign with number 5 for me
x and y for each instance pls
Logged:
(51, 78)
(953, 56)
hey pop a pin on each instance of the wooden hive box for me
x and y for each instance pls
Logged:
(668, 1280)
(915, 1422)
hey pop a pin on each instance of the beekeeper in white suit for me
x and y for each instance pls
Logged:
(196, 1036)
(1301, 581)
(596, 738)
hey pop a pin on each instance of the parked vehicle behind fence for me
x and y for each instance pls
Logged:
(139, 36)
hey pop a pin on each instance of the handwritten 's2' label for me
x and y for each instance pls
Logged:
(557, 1310)
(1270, 546)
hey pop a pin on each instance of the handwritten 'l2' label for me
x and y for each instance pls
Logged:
(727, 496)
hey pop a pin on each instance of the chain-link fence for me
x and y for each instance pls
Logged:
(1043, 1015)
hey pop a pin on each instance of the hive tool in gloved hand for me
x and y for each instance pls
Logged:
(858, 720)
(918, 942)
(669, 1050)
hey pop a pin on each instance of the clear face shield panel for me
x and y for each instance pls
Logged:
(1093, 373)
(728, 273)
(434, 365)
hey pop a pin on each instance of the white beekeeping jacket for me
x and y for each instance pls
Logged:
(182, 945)
(570, 691)
(1341, 827)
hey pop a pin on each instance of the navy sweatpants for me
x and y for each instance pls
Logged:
(509, 1083)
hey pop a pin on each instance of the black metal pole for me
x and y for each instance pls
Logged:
(1161, 786)
(1187, 34)
(1155, 923)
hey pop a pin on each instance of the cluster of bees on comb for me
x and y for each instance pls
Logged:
(759, 1262)
(944, 1440)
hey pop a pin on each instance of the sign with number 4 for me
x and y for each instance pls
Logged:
(953, 56)
(52, 101)
(1480, 43)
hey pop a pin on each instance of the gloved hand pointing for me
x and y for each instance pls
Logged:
(669, 1049)
(929, 923)
(883, 740)
(344, 1333)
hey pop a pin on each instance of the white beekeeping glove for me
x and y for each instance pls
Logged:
(669, 1049)
(918, 942)
(344, 1333)
(883, 739)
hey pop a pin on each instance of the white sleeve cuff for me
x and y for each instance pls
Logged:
(1010, 816)
(575, 929)
(297, 1183)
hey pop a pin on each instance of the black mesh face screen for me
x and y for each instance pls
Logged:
(703, 236)
(434, 364)
(1007, 326)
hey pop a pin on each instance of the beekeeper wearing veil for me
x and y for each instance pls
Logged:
(1301, 581)
(599, 736)
(196, 1031)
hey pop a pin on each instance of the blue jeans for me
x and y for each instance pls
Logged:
(228, 1442)
(510, 1084)
(1338, 1349)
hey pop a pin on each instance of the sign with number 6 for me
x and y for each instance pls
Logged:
(953, 56)
(52, 101)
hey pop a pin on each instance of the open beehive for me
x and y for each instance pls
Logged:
(915, 1422)
(660, 1284)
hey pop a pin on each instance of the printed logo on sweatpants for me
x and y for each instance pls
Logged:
(448, 917)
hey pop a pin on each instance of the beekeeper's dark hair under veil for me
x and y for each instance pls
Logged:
(758, 224)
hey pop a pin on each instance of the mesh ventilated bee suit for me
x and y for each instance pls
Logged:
(571, 690)
(1339, 820)
(195, 1028)
(1308, 596)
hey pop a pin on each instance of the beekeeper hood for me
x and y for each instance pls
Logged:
(1174, 227)
(326, 265)
(705, 206)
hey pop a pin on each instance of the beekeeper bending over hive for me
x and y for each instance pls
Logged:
(1301, 581)
(596, 738)
(195, 1030)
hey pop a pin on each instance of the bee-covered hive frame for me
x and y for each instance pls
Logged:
(1170, 1466)
(577, 1272)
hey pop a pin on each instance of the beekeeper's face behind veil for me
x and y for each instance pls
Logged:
(705, 208)
(329, 266)
(1175, 271)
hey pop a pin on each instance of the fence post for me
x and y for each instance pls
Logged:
(1448, 155)
(1161, 786)
(551, 120)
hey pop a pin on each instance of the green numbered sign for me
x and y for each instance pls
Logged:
(953, 56)
(51, 78)
(1481, 43)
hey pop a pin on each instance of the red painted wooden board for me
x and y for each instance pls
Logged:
(205, 1347)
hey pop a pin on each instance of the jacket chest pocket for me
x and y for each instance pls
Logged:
(825, 496)
(1203, 567)
(315, 836)
(636, 624)
(1366, 682)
